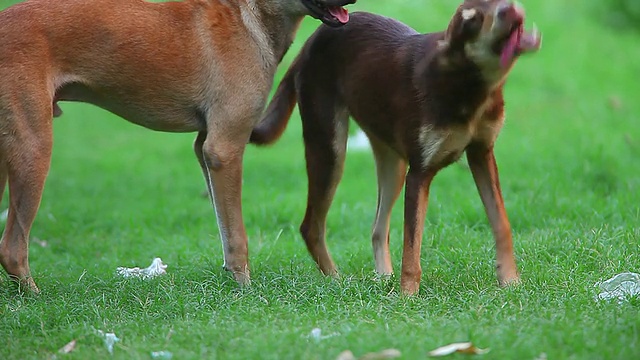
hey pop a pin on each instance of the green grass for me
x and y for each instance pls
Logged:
(119, 195)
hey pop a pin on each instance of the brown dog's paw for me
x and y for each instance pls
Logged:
(27, 286)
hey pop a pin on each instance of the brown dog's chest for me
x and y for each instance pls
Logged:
(439, 147)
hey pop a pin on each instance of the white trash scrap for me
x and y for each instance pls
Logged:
(156, 268)
(4, 215)
(460, 348)
(359, 141)
(621, 287)
(163, 355)
(109, 340)
(316, 334)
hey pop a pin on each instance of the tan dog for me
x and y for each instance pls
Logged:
(201, 66)
(422, 100)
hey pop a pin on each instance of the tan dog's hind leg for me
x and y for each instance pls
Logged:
(325, 140)
(485, 173)
(27, 158)
(391, 169)
(3, 175)
(415, 210)
(198, 149)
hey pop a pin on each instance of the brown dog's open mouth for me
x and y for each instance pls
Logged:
(331, 13)
(517, 42)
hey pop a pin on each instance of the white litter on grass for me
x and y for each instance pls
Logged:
(109, 340)
(163, 355)
(461, 348)
(69, 347)
(620, 287)
(156, 268)
(316, 334)
(382, 355)
(4, 215)
(359, 141)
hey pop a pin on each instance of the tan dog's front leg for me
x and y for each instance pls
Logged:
(415, 210)
(223, 163)
(485, 173)
(26, 168)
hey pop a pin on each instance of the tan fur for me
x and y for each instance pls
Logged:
(201, 66)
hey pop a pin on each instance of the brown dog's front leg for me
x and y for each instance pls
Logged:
(415, 210)
(485, 173)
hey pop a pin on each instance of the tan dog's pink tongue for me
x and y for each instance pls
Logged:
(339, 13)
(509, 49)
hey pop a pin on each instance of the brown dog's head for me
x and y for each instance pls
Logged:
(330, 12)
(491, 33)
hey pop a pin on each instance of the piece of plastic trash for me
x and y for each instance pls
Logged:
(316, 334)
(461, 348)
(156, 268)
(4, 215)
(382, 355)
(69, 347)
(109, 340)
(620, 287)
(358, 141)
(163, 355)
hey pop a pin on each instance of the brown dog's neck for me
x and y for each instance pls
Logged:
(456, 87)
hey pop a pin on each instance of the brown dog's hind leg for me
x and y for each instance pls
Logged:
(391, 169)
(325, 140)
(415, 210)
(27, 159)
(485, 173)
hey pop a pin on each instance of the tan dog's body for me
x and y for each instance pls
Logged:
(201, 66)
(423, 100)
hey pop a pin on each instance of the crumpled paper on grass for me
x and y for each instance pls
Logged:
(155, 269)
(358, 142)
(110, 339)
(460, 348)
(4, 215)
(382, 355)
(620, 287)
(69, 347)
(316, 334)
(163, 355)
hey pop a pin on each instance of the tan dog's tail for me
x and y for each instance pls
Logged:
(275, 119)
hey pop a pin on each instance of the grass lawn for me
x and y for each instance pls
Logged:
(569, 155)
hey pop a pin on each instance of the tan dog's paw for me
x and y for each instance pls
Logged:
(508, 281)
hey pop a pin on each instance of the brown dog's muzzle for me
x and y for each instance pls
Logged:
(509, 18)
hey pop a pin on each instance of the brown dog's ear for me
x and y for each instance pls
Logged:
(464, 26)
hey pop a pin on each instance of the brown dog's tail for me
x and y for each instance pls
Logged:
(275, 119)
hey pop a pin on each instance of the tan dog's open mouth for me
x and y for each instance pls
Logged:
(331, 13)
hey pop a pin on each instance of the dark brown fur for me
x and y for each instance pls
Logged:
(422, 100)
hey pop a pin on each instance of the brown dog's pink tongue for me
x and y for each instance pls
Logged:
(339, 13)
(509, 49)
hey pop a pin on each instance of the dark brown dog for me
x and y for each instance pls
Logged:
(201, 66)
(422, 100)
